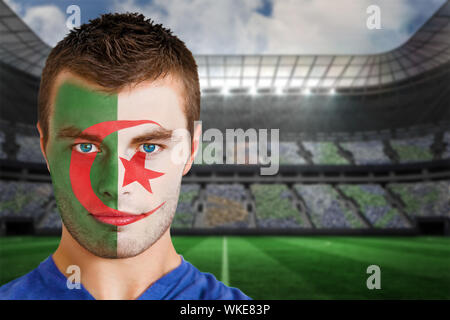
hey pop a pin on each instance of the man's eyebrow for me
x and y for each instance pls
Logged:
(158, 134)
(75, 133)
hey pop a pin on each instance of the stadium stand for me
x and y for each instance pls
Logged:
(326, 208)
(367, 152)
(371, 199)
(364, 139)
(414, 149)
(29, 149)
(24, 199)
(424, 198)
(325, 153)
(289, 153)
(274, 207)
(224, 207)
(185, 214)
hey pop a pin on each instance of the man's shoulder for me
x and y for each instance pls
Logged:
(28, 286)
(196, 285)
(43, 283)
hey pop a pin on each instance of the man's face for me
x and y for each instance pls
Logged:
(111, 158)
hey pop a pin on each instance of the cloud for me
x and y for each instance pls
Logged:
(239, 27)
(47, 21)
(16, 7)
(294, 26)
(207, 27)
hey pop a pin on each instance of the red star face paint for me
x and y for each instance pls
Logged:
(110, 161)
(135, 171)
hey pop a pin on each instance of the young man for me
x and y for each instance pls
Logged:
(117, 105)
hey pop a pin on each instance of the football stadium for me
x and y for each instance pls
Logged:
(363, 177)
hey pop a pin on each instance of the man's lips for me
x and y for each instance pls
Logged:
(121, 218)
(118, 219)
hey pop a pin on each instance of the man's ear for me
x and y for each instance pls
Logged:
(42, 144)
(194, 147)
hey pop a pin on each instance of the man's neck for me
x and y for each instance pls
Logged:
(117, 278)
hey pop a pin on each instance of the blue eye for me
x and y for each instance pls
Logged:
(86, 148)
(149, 148)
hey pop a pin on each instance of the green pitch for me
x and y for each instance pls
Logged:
(278, 267)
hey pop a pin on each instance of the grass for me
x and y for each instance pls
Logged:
(283, 267)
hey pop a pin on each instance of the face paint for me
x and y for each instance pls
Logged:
(115, 193)
(80, 166)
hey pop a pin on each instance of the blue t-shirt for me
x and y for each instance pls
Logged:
(185, 282)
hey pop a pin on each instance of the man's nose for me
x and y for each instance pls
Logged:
(107, 175)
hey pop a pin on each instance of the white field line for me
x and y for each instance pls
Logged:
(225, 271)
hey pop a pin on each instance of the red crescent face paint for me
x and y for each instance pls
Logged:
(80, 167)
(110, 161)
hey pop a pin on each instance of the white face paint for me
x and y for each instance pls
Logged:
(161, 102)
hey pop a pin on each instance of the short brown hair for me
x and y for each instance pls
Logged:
(116, 50)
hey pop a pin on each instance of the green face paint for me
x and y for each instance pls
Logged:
(77, 108)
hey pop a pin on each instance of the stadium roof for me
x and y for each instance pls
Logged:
(428, 48)
(20, 47)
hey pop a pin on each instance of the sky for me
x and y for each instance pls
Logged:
(251, 26)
